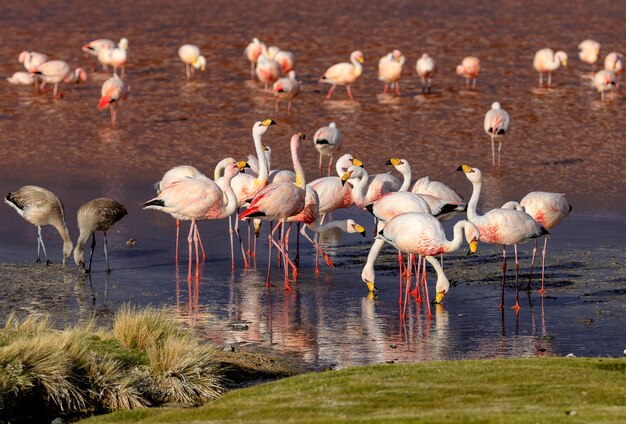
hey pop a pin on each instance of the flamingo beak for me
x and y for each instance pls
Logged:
(439, 297)
(359, 59)
(393, 161)
(268, 122)
(473, 246)
(345, 177)
(242, 164)
(357, 162)
(359, 229)
(372, 288)
(465, 168)
(302, 136)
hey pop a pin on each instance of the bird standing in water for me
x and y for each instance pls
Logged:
(496, 124)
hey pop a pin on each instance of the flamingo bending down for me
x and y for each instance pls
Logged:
(96, 215)
(57, 71)
(267, 70)
(247, 186)
(191, 57)
(119, 56)
(546, 60)
(197, 198)
(344, 73)
(252, 53)
(501, 226)
(603, 81)
(327, 141)
(548, 209)
(469, 69)
(496, 125)
(420, 234)
(390, 69)
(589, 52)
(277, 202)
(426, 68)
(22, 78)
(286, 60)
(114, 90)
(94, 47)
(41, 207)
(286, 89)
(32, 60)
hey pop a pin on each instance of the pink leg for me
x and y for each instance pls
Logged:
(330, 92)
(329, 164)
(401, 267)
(270, 241)
(349, 91)
(243, 252)
(397, 88)
(249, 252)
(532, 264)
(386, 88)
(289, 108)
(516, 307)
(276, 106)
(321, 161)
(503, 275)
(201, 246)
(430, 315)
(543, 264)
(408, 284)
(189, 240)
(474, 84)
(195, 242)
(113, 115)
(318, 249)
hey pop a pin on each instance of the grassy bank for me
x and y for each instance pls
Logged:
(145, 359)
(515, 390)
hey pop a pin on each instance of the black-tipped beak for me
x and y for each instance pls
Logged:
(388, 162)
(460, 168)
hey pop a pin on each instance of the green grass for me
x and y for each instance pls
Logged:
(511, 390)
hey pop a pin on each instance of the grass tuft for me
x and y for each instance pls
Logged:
(143, 329)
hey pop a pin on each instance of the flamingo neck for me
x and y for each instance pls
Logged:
(358, 68)
(360, 189)
(297, 166)
(263, 169)
(230, 201)
(442, 281)
(316, 227)
(455, 243)
(368, 273)
(219, 168)
(406, 173)
(61, 227)
(473, 202)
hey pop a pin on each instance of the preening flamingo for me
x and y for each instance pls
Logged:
(344, 73)
(546, 60)
(57, 71)
(604, 81)
(501, 226)
(96, 215)
(496, 125)
(193, 60)
(286, 88)
(41, 207)
(390, 69)
(279, 201)
(548, 209)
(420, 234)
(114, 90)
(589, 52)
(426, 68)
(252, 53)
(267, 70)
(94, 47)
(327, 141)
(22, 78)
(32, 60)
(469, 69)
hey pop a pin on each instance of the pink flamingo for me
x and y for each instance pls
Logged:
(496, 125)
(332, 193)
(57, 71)
(114, 90)
(94, 47)
(367, 189)
(469, 69)
(546, 60)
(252, 53)
(327, 141)
(614, 61)
(589, 52)
(426, 68)
(344, 73)
(191, 57)
(390, 69)
(286, 89)
(267, 70)
(286, 60)
(604, 81)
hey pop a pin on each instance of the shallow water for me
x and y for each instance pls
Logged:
(562, 139)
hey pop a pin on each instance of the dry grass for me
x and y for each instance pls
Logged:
(143, 329)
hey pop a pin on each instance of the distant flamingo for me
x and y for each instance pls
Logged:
(286, 60)
(31, 61)
(469, 69)
(344, 73)
(496, 125)
(546, 60)
(279, 201)
(327, 141)
(22, 78)
(41, 207)
(589, 52)
(548, 209)
(267, 70)
(501, 226)
(604, 81)
(252, 53)
(420, 234)
(114, 90)
(426, 68)
(94, 47)
(194, 199)
(119, 56)
(614, 61)
(286, 89)
(57, 71)
(390, 70)
(96, 215)
(191, 57)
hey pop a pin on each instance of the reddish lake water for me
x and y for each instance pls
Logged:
(563, 140)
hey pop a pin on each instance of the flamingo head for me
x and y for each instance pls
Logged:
(368, 277)
(443, 287)
(397, 54)
(200, 63)
(260, 127)
(353, 227)
(123, 44)
(495, 105)
(472, 235)
(23, 56)
(561, 56)
(472, 174)
(357, 55)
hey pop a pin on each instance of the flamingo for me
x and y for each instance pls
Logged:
(274, 175)
(96, 215)
(22, 78)
(286, 60)
(191, 57)
(333, 194)
(614, 61)
(286, 89)
(501, 227)
(267, 70)
(279, 201)
(390, 69)
(41, 207)
(247, 186)
(344, 73)
(438, 189)
(426, 68)
(548, 209)
(589, 52)
(114, 90)
(496, 125)
(252, 53)
(469, 69)
(197, 198)
(603, 81)
(421, 234)
(546, 60)
(119, 56)
(327, 141)
(57, 71)
(94, 47)
(31, 61)
(367, 189)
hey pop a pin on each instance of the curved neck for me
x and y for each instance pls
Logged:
(65, 235)
(229, 198)
(297, 166)
(442, 281)
(358, 68)
(263, 170)
(368, 272)
(455, 243)
(406, 173)
(79, 251)
(219, 168)
(360, 188)
(316, 227)
(340, 168)
(473, 202)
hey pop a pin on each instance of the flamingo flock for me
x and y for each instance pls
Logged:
(408, 214)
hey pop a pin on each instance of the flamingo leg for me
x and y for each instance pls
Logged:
(269, 249)
(282, 235)
(401, 267)
(349, 91)
(386, 88)
(276, 106)
(187, 70)
(532, 264)
(318, 249)
(43, 246)
(201, 246)
(320, 167)
(430, 315)
(113, 114)
(93, 246)
(249, 252)
(232, 249)
(467, 83)
(516, 307)
(243, 252)
(499, 150)
(493, 151)
(251, 71)
(330, 92)
(503, 275)
(398, 88)
(189, 240)
(474, 84)
(288, 108)
(195, 242)
(540, 79)
(416, 292)
(543, 264)
(177, 232)
(297, 258)
(549, 79)
(329, 164)
(106, 253)
(408, 284)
